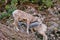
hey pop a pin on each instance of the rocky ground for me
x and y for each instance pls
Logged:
(50, 17)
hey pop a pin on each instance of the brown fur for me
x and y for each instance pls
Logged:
(21, 15)
(41, 28)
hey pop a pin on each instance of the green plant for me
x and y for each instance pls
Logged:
(48, 3)
(4, 15)
(9, 9)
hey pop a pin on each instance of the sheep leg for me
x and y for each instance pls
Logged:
(28, 26)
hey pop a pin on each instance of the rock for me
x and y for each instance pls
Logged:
(7, 33)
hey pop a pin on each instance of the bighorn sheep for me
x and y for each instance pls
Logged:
(19, 15)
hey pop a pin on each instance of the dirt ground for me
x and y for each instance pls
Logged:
(51, 19)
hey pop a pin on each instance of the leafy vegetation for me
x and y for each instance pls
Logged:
(48, 3)
(9, 9)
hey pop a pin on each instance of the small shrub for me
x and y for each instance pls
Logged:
(9, 9)
(4, 15)
(48, 3)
